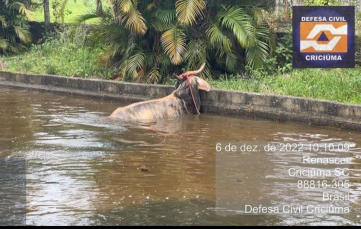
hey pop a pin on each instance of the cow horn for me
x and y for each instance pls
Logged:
(177, 77)
(189, 73)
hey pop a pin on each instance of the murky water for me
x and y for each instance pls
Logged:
(83, 169)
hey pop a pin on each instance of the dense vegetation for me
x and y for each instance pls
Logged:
(146, 41)
(14, 29)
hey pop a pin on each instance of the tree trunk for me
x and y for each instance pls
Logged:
(277, 8)
(286, 9)
(116, 11)
(46, 13)
(99, 7)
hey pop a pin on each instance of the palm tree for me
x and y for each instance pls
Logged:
(14, 29)
(154, 38)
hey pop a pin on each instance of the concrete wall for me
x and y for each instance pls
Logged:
(254, 105)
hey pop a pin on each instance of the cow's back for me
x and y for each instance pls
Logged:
(166, 107)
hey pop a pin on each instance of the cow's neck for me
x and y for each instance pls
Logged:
(188, 102)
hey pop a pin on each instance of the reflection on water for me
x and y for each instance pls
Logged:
(83, 169)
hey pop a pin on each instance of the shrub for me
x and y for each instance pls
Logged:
(14, 29)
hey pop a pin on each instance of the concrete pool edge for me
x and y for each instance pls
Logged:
(255, 105)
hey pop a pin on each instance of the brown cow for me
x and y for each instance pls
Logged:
(184, 100)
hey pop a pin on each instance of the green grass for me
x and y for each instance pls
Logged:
(342, 85)
(74, 9)
(59, 55)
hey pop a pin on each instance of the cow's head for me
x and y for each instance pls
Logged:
(187, 87)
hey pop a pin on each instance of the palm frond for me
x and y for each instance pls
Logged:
(14, 28)
(3, 22)
(4, 44)
(20, 7)
(154, 75)
(13, 48)
(232, 62)
(260, 52)
(174, 44)
(164, 63)
(237, 20)
(257, 54)
(218, 39)
(189, 10)
(163, 19)
(125, 5)
(86, 17)
(134, 63)
(196, 54)
(23, 34)
(134, 19)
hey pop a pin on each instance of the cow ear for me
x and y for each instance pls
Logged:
(203, 85)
